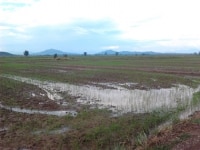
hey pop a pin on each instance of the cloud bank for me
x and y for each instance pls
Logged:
(93, 25)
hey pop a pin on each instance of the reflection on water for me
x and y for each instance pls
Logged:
(119, 98)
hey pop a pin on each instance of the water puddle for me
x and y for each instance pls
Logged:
(32, 111)
(118, 98)
(57, 131)
(117, 86)
(60, 131)
(3, 129)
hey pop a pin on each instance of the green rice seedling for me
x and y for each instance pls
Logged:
(161, 147)
(197, 121)
(196, 98)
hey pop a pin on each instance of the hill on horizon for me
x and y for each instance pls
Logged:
(107, 52)
(112, 52)
(52, 52)
(6, 54)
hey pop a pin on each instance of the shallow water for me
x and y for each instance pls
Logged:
(33, 111)
(3, 129)
(60, 131)
(118, 98)
(57, 131)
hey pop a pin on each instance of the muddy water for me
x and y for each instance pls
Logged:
(138, 101)
(119, 99)
(33, 111)
(58, 131)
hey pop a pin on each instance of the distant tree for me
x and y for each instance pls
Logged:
(26, 53)
(55, 56)
(85, 53)
(105, 53)
(117, 53)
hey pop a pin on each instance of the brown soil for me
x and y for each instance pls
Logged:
(14, 135)
(182, 136)
(32, 98)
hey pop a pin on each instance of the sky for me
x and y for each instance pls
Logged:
(97, 25)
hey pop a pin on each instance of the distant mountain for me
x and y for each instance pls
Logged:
(137, 53)
(52, 52)
(107, 52)
(5, 54)
(112, 52)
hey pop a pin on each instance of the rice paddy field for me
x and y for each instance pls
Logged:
(99, 102)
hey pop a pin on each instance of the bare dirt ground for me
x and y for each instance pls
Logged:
(28, 97)
(181, 136)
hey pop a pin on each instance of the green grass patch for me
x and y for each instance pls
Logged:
(196, 98)
(150, 71)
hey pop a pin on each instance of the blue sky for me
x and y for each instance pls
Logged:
(96, 25)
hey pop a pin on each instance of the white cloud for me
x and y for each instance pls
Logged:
(176, 19)
(113, 47)
(136, 20)
(80, 30)
(194, 43)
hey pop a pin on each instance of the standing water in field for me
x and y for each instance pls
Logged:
(118, 99)
(32, 111)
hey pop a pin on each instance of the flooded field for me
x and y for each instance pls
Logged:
(98, 102)
(32, 111)
(115, 97)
